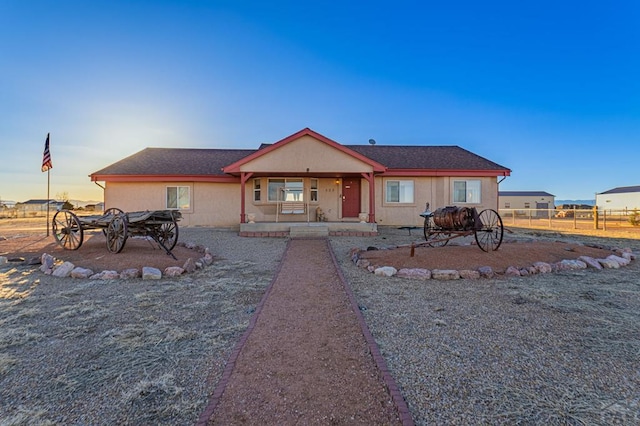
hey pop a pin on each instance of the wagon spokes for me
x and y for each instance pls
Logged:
(168, 235)
(67, 230)
(117, 233)
(490, 232)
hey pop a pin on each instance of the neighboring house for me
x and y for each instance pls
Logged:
(32, 208)
(94, 207)
(304, 177)
(621, 198)
(521, 201)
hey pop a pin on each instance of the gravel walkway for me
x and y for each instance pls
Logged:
(547, 349)
(305, 359)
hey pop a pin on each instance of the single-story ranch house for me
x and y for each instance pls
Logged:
(304, 178)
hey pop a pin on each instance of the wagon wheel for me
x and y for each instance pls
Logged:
(111, 212)
(168, 234)
(432, 234)
(117, 233)
(67, 230)
(489, 237)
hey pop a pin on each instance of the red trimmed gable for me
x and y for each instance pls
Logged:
(235, 167)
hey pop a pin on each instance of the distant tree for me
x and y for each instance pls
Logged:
(62, 196)
(67, 206)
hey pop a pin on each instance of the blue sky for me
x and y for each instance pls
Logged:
(549, 89)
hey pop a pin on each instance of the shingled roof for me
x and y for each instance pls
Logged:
(426, 157)
(175, 162)
(210, 162)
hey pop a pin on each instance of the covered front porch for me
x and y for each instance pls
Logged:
(306, 183)
(308, 229)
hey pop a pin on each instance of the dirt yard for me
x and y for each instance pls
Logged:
(547, 349)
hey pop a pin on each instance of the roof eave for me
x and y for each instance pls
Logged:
(163, 178)
(445, 172)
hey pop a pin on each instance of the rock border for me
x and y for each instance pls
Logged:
(619, 258)
(50, 265)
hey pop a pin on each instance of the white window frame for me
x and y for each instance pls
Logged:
(471, 193)
(180, 204)
(257, 186)
(295, 185)
(405, 191)
(313, 190)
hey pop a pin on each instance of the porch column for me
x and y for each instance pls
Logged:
(244, 177)
(372, 193)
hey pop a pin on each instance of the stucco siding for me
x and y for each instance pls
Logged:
(306, 153)
(437, 191)
(211, 204)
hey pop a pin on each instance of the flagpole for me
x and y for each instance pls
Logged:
(48, 199)
(46, 166)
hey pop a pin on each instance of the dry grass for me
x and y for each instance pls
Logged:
(559, 349)
(119, 352)
(553, 349)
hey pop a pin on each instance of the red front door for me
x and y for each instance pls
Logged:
(350, 197)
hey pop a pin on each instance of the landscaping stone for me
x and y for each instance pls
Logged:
(591, 262)
(105, 275)
(512, 271)
(445, 274)
(386, 271)
(80, 272)
(149, 273)
(570, 264)
(609, 263)
(469, 274)
(63, 270)
(173, 271)
(130, 273)
(543, 267)
(190, 265)
(621, 260)
(486, 272)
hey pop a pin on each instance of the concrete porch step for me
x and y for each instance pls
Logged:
(307, 231)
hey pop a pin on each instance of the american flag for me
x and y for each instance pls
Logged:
(46, 158)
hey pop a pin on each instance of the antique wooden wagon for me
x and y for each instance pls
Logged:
(451, 222)
(117, 226)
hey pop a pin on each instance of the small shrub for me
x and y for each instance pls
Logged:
(634, 217)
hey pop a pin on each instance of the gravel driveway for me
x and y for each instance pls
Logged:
(548, 349)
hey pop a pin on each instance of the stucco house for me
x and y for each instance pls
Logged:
(620, 198)
(303, 178)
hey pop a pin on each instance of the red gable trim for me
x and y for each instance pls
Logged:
(164, 178)
(235, 167)
(445, 172)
